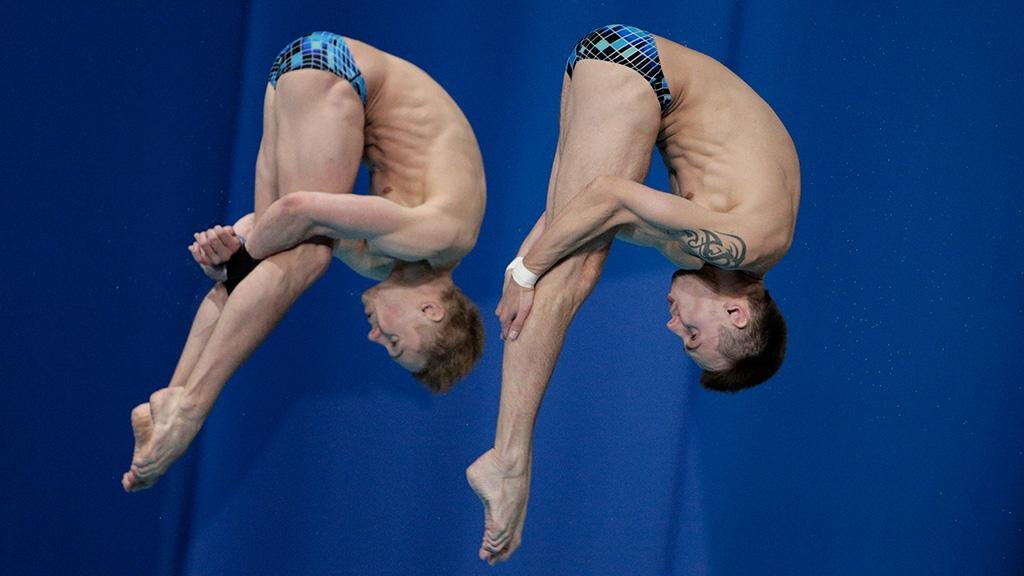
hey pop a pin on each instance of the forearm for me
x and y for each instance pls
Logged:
(535, 233)
(282, 226)
(589, 215)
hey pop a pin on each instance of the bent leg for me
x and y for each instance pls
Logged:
(313, 139)
(317, 119)
(610, 122)
(202, 326)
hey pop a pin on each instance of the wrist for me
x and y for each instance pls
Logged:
(238, 267)
(251, 245)
(522, 275)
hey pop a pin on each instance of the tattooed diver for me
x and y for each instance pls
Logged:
(735, 185)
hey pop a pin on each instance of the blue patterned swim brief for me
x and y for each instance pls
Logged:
(629, 46)
(320, 51)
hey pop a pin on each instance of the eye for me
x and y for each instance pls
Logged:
(394, 339)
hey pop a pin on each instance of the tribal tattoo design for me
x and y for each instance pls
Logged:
(716, 248)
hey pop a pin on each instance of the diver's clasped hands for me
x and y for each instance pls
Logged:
(212, 248)
(516, 299)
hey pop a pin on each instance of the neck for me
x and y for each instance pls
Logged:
(737, 282)
(416, 273)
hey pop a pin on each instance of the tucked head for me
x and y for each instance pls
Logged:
(729, 326)
(427, 325)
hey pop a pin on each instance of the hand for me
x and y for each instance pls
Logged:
(212, 248)
(514, 307)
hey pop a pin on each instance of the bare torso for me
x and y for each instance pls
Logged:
(726, 150)
(419, 147)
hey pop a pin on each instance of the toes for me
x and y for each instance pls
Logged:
(495, 545)
(493, 549)
(138, 482)
(133, 482)
(512, 547)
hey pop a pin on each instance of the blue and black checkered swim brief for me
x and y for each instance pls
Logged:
(629, 46)
(320, 51)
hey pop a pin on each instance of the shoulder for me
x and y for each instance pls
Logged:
(766, 237)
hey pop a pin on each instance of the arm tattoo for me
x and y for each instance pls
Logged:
(716, 248)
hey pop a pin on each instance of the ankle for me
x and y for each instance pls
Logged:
(192, 409)
(512, 461)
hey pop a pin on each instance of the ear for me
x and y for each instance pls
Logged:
(739, 313)
(433, 311)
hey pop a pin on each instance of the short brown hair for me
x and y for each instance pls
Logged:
(756, 352)
(458, 343)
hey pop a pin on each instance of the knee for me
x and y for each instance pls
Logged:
(292, 204)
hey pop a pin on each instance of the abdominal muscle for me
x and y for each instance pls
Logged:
(725, 148)
(408, 115)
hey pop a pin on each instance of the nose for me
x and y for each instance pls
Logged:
(674, 326)
(374, 334)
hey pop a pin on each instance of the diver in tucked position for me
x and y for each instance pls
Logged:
(735, 185)
(330, 102)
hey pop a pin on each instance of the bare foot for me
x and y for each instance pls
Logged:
(504, 490)
(162, 433)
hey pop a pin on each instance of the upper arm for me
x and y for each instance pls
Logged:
(408, 233)
(354, 253)
(674, 253)
(720, 239)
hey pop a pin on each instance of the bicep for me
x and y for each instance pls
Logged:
(424, 236)
(674, 253)
(355, 255)
(350, 216)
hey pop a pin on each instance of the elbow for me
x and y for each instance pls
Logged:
(605, 193)
(292, 206)
(296, 211)
(601, 187)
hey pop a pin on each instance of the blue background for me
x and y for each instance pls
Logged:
(889, 443)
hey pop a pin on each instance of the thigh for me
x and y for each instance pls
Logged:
(265, 183)
(317, 120)
(609, 124)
